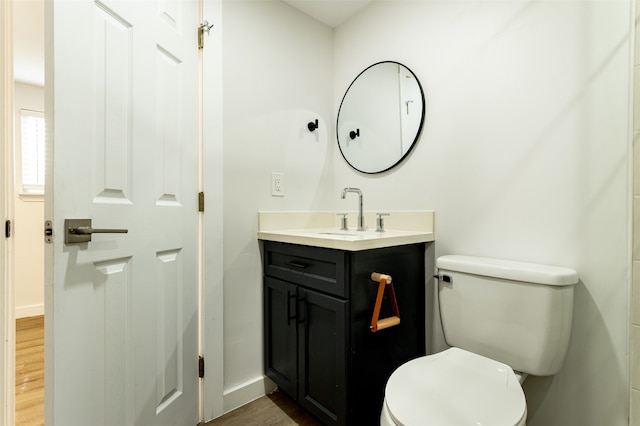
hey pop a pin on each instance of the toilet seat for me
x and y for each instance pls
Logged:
(454, 387)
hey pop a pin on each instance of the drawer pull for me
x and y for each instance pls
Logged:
(297, 265)
(381, 324)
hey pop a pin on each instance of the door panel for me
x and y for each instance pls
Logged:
(113, 110)
(168, 164)
(281, 346)
(122, 119)
(322, 355)
(169, 326)
(113, 347)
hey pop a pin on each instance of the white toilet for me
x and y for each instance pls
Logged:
(504, 320)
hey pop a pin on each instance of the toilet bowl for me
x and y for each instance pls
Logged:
(463, 388)
(498, 316)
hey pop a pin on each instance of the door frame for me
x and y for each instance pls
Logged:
(211, 165)
(7, 321)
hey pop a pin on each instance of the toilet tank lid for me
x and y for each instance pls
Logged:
(509, 270)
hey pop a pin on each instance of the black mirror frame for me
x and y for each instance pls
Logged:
(415, 140)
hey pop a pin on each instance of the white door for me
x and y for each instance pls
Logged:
(122, 117)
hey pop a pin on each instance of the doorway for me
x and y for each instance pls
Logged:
(27, 276)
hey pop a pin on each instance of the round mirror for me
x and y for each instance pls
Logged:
(380, 117)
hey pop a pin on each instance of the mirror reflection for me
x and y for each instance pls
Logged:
(380, 117)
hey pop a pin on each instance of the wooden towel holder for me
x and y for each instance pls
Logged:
(381, 324)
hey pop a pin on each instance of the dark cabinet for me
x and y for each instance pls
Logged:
(305, 346)
(317, 310)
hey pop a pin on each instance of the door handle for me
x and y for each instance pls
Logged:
(291, 297)
(87, 230)
(301, 307)
(80, 231)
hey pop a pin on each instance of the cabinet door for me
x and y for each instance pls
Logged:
(322, 355)
(280, 346)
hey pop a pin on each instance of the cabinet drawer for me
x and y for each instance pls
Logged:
(313, 267)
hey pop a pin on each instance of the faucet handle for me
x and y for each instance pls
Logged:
(343, 221)
(380, 221)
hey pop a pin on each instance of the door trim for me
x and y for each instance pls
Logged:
(7, 321)
(212, 312)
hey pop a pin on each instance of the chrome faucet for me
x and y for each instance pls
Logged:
(360, 216)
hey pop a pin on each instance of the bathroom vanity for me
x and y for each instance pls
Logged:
(318, 304)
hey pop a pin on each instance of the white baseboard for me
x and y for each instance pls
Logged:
(29, 311)
(247, 392)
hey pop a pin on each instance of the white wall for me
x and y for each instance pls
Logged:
(524, 155)
(277, 74)
(28, 225)
(634, 317)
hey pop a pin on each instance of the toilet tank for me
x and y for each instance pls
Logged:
(513, 312)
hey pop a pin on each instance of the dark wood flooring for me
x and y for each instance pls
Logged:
(275, 409)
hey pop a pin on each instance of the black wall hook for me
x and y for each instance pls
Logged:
(312, 125)
(354, 134)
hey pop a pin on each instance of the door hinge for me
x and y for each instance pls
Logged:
(203, 28)
(7, 229)
(201, 367)
(200, 201)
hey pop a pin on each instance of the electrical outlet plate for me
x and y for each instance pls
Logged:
(277, 184)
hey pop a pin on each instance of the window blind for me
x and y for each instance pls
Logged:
(32, 134)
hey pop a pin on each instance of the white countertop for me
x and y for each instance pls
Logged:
(346, 240)
(272, 227)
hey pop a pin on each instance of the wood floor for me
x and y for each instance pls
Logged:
(275, 409)
(30, 371)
